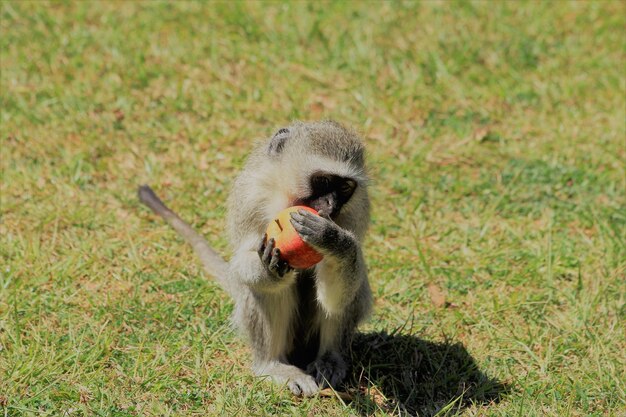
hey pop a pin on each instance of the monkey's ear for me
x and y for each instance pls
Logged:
(278, 141)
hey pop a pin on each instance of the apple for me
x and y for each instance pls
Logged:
(295, 251)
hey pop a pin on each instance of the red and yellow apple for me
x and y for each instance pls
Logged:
(295, 251)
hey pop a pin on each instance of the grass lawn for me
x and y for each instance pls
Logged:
(497, 251)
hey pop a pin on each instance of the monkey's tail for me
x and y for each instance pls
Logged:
(213, 263)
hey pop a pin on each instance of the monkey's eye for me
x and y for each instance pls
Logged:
(347, 187)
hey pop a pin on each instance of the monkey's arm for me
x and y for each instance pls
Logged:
(342, 275)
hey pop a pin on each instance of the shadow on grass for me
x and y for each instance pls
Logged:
(405, 375)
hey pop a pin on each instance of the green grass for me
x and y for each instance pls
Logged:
(496, 142)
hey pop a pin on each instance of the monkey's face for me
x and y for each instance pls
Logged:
(321, 166)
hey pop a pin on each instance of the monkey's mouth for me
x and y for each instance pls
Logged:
(324, 208)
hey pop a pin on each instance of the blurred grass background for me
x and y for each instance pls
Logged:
(496, 141)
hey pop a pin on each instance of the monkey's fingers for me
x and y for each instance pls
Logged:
(309, 220)
(266, 257)
(275, 262)
(310, 217)
(260, 249)
(303, 230)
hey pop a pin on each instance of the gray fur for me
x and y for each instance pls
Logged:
(211, 260)
(298, 322)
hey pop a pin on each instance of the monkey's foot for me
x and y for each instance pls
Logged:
(298, 382)
(330, 369)
(303, 385)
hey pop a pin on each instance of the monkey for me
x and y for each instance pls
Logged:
(298, 322)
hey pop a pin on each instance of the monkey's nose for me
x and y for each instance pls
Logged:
(328, 209)
(323, 211)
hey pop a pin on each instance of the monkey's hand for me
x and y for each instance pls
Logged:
(322, 233)
(270, 258)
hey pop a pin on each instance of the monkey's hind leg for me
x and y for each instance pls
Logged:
(298, 382)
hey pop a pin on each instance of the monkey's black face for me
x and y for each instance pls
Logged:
(329, 193)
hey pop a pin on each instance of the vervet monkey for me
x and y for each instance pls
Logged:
(298, 322)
